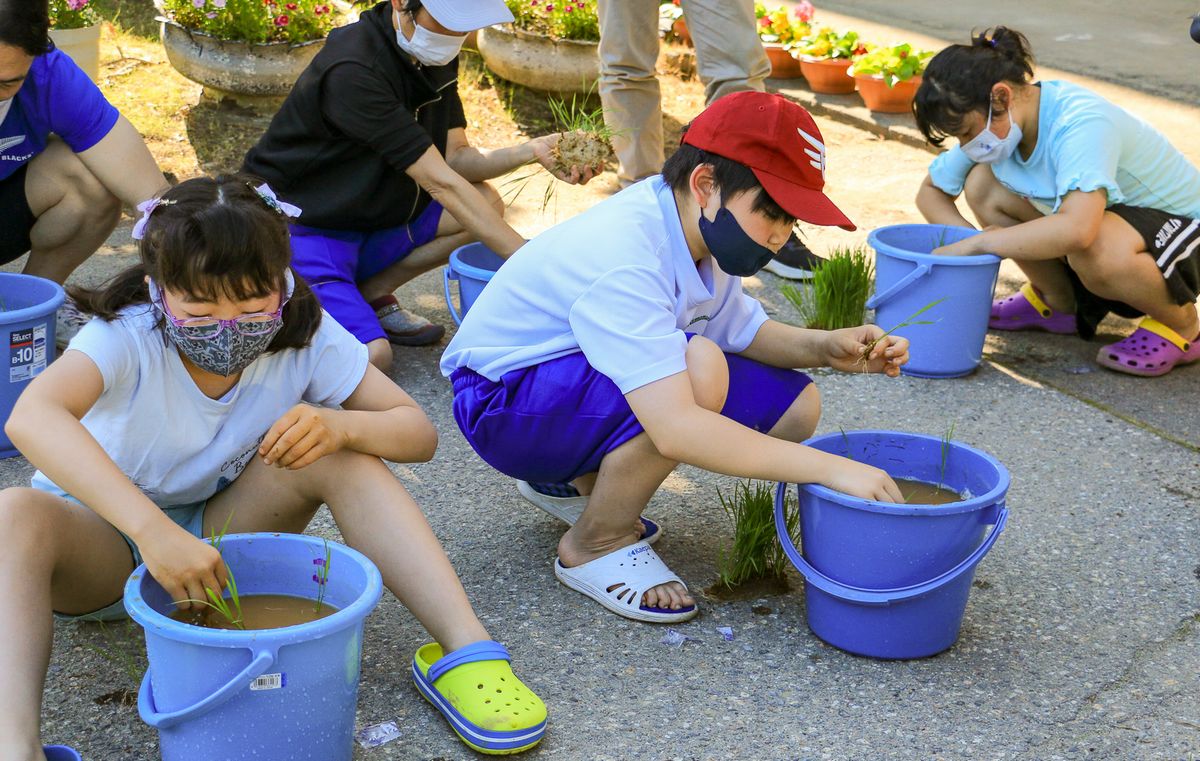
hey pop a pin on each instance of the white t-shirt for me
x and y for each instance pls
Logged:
(616, 282)
(178, 445)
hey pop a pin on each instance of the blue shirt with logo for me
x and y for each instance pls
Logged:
(57, 97)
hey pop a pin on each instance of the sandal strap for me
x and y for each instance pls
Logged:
(1162, 331)
(487, 650)
(1034, 298)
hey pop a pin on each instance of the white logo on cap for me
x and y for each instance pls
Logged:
(818, 155)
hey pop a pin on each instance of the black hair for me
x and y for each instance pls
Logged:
(213, 237)
(411, 6)
(960, 78)
(25, 24)
(731, 178)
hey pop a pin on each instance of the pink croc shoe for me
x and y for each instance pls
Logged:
(1151, 350)
(1025, 310)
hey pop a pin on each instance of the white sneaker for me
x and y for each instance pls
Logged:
(68, 321)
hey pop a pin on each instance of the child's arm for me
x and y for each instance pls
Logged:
(684, 431)
(1070, 230)
(938, 207)
(379, 419)
(782, 345)
(45, 426)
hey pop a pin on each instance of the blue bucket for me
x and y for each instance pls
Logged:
(887, 580)
(472, 266)
(27, 308)
(286, 693)
(60, 753)
(907, 277)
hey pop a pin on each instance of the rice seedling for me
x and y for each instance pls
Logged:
(945, 454)
(846, 441)
(322, 576)
(755, 552)
(905, 323)
(228, 607)
(838, 295)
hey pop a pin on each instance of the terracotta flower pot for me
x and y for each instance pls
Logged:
(887, 100)
(827, 75)
(82, 45)
(783, 65)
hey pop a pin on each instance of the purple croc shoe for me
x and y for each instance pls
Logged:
(1151, 350)
(1025, 310)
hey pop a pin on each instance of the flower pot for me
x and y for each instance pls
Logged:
(254, 74)
(827, 75)
(887, 100)
(539, 62)
(82, 45)
(783, 65)
(680, 30)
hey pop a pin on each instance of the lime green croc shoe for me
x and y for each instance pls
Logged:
(475, 689)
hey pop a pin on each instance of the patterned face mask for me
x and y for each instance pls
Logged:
(223, 347)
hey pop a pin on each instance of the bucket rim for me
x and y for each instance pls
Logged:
(974, 504)
(354, 613)
(40, 309)
(880, 247)
(456, 264)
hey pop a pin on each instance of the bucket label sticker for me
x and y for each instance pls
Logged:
(269, 682)
(26, 353)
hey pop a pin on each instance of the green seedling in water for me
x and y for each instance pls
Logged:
(322, 577)
(838, 295)
(756, 552)
(945, 453)
(906, 323)
(231, 607)
(846, 439)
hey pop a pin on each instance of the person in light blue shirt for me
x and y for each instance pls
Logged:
(1095, 205)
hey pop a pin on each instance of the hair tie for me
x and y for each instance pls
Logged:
(992, 42)
(147, 208)
(269, 198)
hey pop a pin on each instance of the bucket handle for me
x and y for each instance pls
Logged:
(258, 666)
(449, 274)
(921, 270)
(878, 596)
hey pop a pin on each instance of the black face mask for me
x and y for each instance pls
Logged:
(736, 252)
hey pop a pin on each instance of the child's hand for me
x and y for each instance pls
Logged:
(863, 481)
(847, 350)
(182, 564)
(302, 436)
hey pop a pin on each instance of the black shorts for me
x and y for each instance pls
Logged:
(1173, 241)
(16, 218)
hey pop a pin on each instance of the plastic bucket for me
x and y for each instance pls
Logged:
(472, 266)
(291, 693)
(27, 308)
(908, 277)
(887, 580)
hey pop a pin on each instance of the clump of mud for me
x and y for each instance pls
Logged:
(581, 149)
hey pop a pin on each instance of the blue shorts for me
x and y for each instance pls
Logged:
(189, 517)
(334, 262)
(555, 421)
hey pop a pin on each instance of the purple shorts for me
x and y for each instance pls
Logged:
(334, 262)
(554, 422)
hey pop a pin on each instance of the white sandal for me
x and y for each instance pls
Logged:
(568, 508)
(630, 571)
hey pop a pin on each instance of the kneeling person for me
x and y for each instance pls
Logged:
(619, 344)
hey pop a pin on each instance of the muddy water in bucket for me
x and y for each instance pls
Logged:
(260, 612)
(924, 493)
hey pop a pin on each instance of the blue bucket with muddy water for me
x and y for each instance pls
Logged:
(472, 266)
(891, 580)
(908, 277)
(287, 693)
(27, 308)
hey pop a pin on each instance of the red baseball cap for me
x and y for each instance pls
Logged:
(780, 142)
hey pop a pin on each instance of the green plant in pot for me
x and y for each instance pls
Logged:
(754, 555)
(255, 21)
(837, 298)
(75, 29)
(780, 30)
(824, 55)
(888, 77)
(571, 20)
(72, 14)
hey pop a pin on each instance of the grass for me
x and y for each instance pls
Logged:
(946, 438)
(755, 552)
(229, 607)
(840, 287)
(905, 323)
(322, 577)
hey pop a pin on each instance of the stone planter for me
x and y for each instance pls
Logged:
(540, 63)
(255, 75)
(887, 100)
(827, 75)
(783, 65)
(82, 45)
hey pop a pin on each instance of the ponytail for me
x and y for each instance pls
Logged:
(959, 79)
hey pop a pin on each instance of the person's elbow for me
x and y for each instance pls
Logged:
(22, 424)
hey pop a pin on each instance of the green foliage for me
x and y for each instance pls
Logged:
(569, 20)
(72, 14)
(841, 285)
(905, 323)
(778, 25)
(229, 607)
(946, 439)
(256, 21)
(755, 552)
(898, 63)
(826, 42)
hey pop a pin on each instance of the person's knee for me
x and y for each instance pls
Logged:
(709, 373)
(379, 353)
(980, 191)
(1098, 270)
(25, 525)
(799, 421)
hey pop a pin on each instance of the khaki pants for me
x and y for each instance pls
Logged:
(729, 58)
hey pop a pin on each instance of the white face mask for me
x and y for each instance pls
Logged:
(430, 48)
(987, 147)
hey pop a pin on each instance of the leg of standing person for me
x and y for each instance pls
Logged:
(629, 89)
(729, 54)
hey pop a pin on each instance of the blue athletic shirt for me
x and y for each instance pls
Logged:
(57, 97)
(1087, 143)
(616, 282)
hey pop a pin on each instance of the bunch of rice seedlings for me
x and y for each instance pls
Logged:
(755, 552)
(840, 287)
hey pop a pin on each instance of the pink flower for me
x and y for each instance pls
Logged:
(290, 6)
(282, 20)
(805, 11)
(550, 8)
(210, 14)
(764, 22)
(218, 3)
(77, 5)
(198, 3)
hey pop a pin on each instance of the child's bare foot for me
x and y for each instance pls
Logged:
(575, 550)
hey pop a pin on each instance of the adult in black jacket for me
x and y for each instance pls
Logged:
(371, 145)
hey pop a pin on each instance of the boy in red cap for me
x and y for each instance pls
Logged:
(619, 344)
